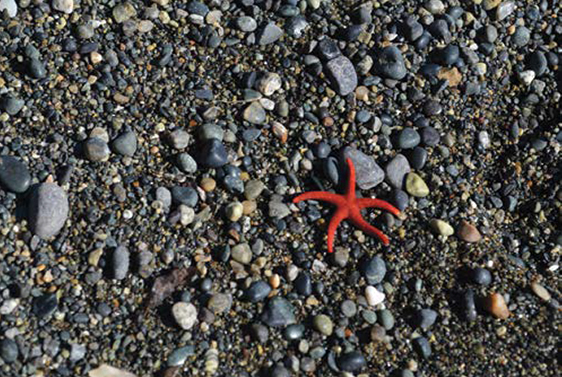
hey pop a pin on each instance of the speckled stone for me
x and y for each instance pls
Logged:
(48, 210)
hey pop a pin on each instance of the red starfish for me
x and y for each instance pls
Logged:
(349, 207)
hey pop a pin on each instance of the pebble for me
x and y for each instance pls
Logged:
(418, 158)
(481, 276)
(390, 63)
(64, 6)
(422, 347)
(219, 303)
(441, 227)
(48, 210)
(416, 186)
(185, 314)
(179, 356)
(254, 113)
(8, 306)
(540, 291)
(11, 105)
(187, 163)
(14, 175)
(105, 370)
(348, 308)
(425, 318)
(468, 232)
(352, 361)
(211, 131)
(260, 332)
(303, 284)
(120, 263)
(96, 150)
(268, 34)
(125, 144)
(257, 291)
(234, 211)
(369, 174)
(9, 351)
(396, 170)
(526, 77)
(184, 195)
(342, 75)
(374, 270)
(123, 12)
(213, 154)
(278, 210)
(179, 139)
(504, 10)
(408, 138)
(269, 83)
(374, 296)
(45, 305)
(323, 324)
(294, 332)
(242, 253)
(246, 24)
(400, 199)
(386, 319)
(495, 304)
(253, 189)
(10, 6)
(537, 62)
(521, 37)
(468, 305)
(278, 312)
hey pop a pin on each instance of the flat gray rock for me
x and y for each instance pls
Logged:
(368, 173)
(342, 75)
(48, 210)
(396, 170)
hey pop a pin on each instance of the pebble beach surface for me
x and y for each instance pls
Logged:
(150, 151)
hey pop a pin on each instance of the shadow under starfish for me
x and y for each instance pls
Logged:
(349, 208)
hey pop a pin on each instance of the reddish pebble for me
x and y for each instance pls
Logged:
(468, 232)
(496, 305)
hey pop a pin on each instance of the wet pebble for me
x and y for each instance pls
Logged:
(278, 312)
(352, 361)
(14, 174)
(416, 186)
(323, 324)
(495, 304)
(257, 291)
(468, 232)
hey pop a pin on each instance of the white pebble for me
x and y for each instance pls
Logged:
(373, 296)
(8, 306)
(10, 6)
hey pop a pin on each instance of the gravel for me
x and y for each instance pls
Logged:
(150, 153)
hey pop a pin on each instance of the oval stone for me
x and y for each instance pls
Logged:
(14, 175)
(48, 210)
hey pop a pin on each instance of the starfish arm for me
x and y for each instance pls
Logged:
(351, 179)
(377, 203)
(334, 222)
(322, 196)
(368, 228)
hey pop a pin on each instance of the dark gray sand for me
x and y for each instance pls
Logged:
(150, 152)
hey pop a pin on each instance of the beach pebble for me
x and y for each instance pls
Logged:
(373, 296)
(495, 304)
(14, 175)
(185, 314)
(48, 210)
